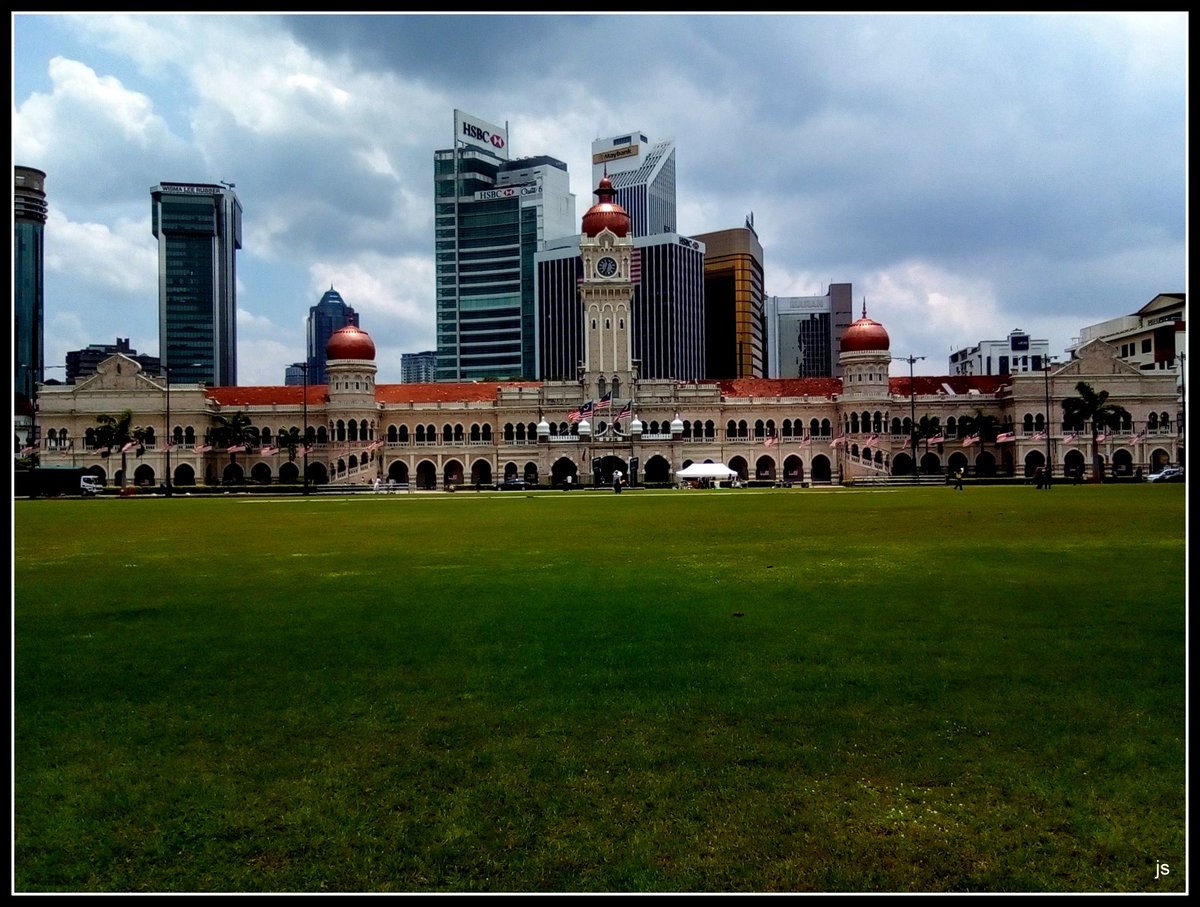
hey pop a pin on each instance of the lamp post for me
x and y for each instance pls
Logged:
(912, 428)
(304, 444)
(170, 437)
(1049, 454)
(33, 440)
(1181, 422)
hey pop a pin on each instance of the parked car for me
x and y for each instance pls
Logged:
(512, 484)
(1170, 474)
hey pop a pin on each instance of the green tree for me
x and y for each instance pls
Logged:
(1092, 406)
(290, 441)
(980, 423)
(119, 432)
(234, 430)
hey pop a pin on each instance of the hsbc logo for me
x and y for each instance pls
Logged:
(482, 135)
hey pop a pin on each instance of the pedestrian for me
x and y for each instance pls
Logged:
(958, 477)
(1037, 475)
(617, 481)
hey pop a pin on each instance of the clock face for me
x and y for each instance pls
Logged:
(606, 266)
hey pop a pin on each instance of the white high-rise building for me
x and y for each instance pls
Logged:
(643, 174)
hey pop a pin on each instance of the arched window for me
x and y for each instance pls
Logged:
(1152, 422)
(616, 382)
(1027, 423)
(730, 429)
(447, 433)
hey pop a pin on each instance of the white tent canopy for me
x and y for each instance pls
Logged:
(706, 471)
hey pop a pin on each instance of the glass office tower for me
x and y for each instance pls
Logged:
(29, 223)
(329, 315)
(491, 215)
(199, 230)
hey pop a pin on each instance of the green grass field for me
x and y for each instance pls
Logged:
(710, 691)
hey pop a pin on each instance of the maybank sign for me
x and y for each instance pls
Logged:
(480, 133)
(524, 192)
(603, 157)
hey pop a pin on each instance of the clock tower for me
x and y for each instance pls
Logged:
(606, 294)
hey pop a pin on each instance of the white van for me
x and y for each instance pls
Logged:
(90, 485)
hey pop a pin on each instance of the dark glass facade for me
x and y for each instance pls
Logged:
(29, 221)
(199, 230)
(735, 320)
(329, 315)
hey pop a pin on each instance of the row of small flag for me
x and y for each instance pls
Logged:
(591, 408)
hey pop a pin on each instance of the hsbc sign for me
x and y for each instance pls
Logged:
(533, 190)
(480, 133)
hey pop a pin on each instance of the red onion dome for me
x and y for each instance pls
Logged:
(350, 342)
(606, 213)
(865, 335)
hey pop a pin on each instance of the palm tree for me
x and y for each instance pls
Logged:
(980, 423)
(119, 432)
(1092, 405)
(234, 431)
(290, 441)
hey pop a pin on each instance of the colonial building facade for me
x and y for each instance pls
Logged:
(437, 435)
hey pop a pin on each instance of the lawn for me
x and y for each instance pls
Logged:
(710, 691)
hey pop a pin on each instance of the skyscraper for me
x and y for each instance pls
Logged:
(804, 333)
(418, 368)
(643, 175)
(491, 215)
(735, 324)
(199, 230)
(29, 221)
(329, 315)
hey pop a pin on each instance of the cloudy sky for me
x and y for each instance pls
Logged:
(967, 174)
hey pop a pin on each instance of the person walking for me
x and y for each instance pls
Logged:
(958, 477)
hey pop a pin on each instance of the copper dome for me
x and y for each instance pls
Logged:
(606, 213)
(350, 342)
(865, 335)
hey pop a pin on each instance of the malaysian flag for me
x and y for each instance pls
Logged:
(872, 441)
(904, 446)
(1038, 436)
(1005, 437)
(635, 266)
(170, 446)
(1138, 438)
(202, 448)
(969, 440)
(838, 441)
(940, 439)
(769, 440)
(269, 451)
(25, 451)
(806, 441)
(128, 447)
(626, 412)
(375, 445)
(605, 402)
(1102, 436)
(236, 448)
(1071, 437)
(580, 413)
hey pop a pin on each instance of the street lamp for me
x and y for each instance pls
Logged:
(33, 440)
(304, 444)
(170, 437)
(1049, 363)
(1181, 422)
(912, 428)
